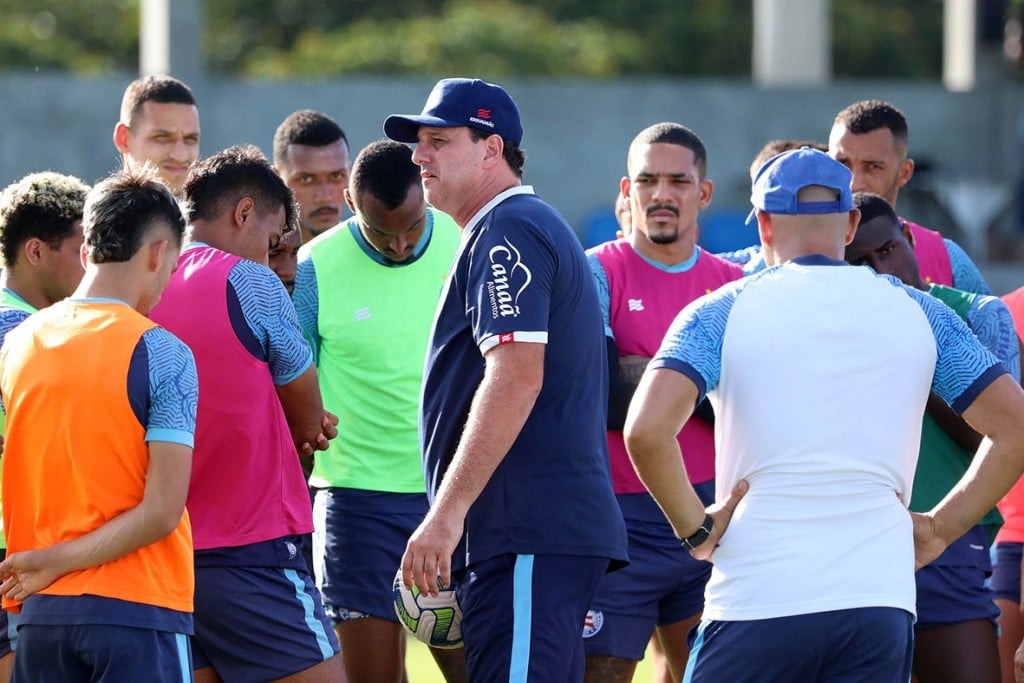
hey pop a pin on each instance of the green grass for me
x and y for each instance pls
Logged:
(422, 669)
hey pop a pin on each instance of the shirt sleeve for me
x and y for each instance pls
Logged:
(966, 275)
(9, 319)
(604, 297)
(173, 389)
(509, 283)
(741, 257)
(693, 343)
(964, 366)
(271, 317)
(306, 298)
(989, 318)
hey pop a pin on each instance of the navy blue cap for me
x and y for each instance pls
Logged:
(779, 180)
(458, 102)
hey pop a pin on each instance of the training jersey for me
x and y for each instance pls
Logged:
(1011, 507)
(369, 338)
(87, 383)
(13, 311)
(639, 300)
(941, 261)
(521, 276)
(247, 484)
(943, 461)
(819, 373)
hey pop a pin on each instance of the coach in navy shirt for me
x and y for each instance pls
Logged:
(514, 401)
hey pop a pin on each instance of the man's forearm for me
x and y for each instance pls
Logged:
(660, 467)
(157, 514)
(303, 406)
(663, 403)
(126, 533)
(998, 412)
(500, 408)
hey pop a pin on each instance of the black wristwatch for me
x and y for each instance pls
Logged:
(700, 535)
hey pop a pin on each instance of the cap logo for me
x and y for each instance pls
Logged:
(483, 113)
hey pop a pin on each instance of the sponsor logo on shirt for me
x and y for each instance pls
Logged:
(509, 278)
(507, 338)
(592, 623)
(635, 304)
(363, 313)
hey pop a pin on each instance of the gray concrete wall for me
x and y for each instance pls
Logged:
(576, 131)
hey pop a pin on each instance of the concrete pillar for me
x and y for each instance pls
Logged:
(171, 38)
(792, 42)
(959, 44)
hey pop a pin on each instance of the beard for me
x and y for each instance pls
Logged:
(667, 236)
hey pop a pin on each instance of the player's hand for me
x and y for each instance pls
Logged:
(928, 544)
(1018, 664)
(329, 426)
(26, 573)
(428, 554)
(328, 430)
(722, 514)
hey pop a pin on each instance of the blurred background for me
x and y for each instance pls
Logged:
(587, 75)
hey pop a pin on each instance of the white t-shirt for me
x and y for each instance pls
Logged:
(819, 373)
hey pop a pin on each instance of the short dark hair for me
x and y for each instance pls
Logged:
(41, 205)
(122, 208)
(673, 134)
(872, 206)
(773, 148)
(869, 115)
(513, 155)
(163, 89)
(305, 127)
(221, 180)
(384, 169)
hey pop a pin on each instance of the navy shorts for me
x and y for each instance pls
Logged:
(8, 632)
(522, 616)
(101, 653)
(1005, 581)
(357, 548)
(260, 620)
(845, 646)
(954, 589)
(8, 624)
(662, 585)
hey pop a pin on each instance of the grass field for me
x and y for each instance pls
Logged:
(422, 669)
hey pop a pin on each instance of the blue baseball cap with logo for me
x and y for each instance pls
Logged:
(456, 102)
(781, 178)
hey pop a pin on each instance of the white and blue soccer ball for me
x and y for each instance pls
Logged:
(437, 621)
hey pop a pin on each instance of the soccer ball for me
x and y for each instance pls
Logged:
(435, 621)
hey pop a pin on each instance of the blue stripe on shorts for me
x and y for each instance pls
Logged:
(184, 656)
(312, 622)
(522, 618)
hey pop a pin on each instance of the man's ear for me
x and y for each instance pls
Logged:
(905, 173)
(764, 227)
(242, 211)
(908, 233)
(348, 199)
(32, 250)
(121, 133)
(851, 227)
(493, 148)
(707, 190)
(157, 251)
